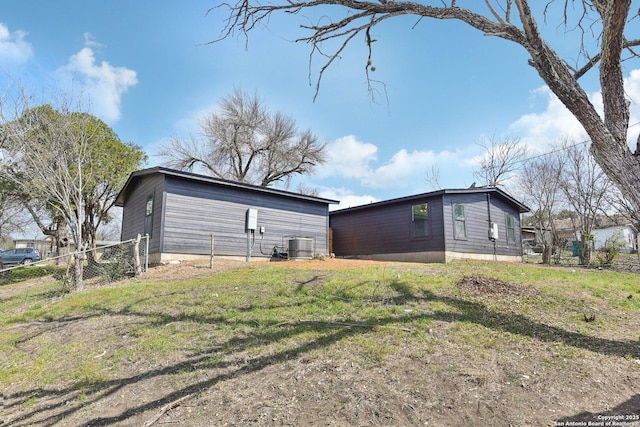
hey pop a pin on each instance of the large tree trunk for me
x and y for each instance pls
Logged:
(62, 243)
(584, 256)
(547, 253)
(79, 270)
(620, 165)
(609, 135)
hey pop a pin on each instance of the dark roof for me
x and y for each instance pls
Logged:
(491, 190)
(136, 176)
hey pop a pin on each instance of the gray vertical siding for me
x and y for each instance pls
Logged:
(193, 211)
(498, 210)
(189, 209)
(385, 229)
(477, 224)
(133, 214)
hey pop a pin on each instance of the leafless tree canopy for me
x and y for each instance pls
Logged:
(569, 178)
(608, 30)
(245, 142)
(540, 182)
(502, 159)
(585, 188)
(432, 178)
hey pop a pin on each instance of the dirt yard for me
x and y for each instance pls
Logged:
(328, 386)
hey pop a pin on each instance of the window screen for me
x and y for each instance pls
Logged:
(420, 220)
(511, 228)
(459, 222)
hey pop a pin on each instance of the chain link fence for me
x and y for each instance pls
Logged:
(101, 265)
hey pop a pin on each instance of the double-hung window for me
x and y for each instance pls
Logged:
(420, 220)
(511, 228)
(459, 222)
(148, 216)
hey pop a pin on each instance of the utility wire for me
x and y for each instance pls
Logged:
(566, 147)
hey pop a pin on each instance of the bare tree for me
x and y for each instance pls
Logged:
(540, 183)
(432, 178)
(245, 142)
(602, 26)
(308, 190)
(623, 212)
(500, 161)
(585, 187)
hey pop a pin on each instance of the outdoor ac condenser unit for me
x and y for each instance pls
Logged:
(300, 248)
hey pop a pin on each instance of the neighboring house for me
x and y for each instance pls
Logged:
(182, 212)
(474, 223)
(625, 234)
(533, 239)
(43, 245)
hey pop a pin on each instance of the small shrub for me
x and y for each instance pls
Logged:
(22, 274)
(117, 265)
(607, 254)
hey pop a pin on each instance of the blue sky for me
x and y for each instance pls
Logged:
(147, 70)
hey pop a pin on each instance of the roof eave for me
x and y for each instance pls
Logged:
(121, 198)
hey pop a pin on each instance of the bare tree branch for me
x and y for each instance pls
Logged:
(540, 184)
(501, 160)
(432, 178)
(585, 187)
(602, 25)
(245, 142)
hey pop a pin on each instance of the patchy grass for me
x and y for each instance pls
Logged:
(390, 344)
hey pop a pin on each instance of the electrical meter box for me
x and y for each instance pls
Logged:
(493, 231)
(252, 219)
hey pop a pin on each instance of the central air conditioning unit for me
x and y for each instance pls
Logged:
(300, 248)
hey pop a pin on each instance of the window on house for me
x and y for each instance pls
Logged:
(511, 228)
(148, 217)
(459, 222)
(420, 220)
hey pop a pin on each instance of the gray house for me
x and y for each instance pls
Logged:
(181, 211)
(474, 223)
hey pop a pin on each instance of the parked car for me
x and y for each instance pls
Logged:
(20, 256)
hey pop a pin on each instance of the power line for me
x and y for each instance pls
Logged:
(566, 147)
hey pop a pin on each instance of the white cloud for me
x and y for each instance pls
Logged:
(356, 160)
(400, 169)
(90, 42)
(103, 83)
(539, 130)
(632, 87)
(13, 47)
(348, 158)
(346, 197)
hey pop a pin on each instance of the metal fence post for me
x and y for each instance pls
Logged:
(211, 257)
(136, 256)
(146, 253)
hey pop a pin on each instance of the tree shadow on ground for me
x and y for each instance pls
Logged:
(229, 362)
(517, 324)
(625, 414)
